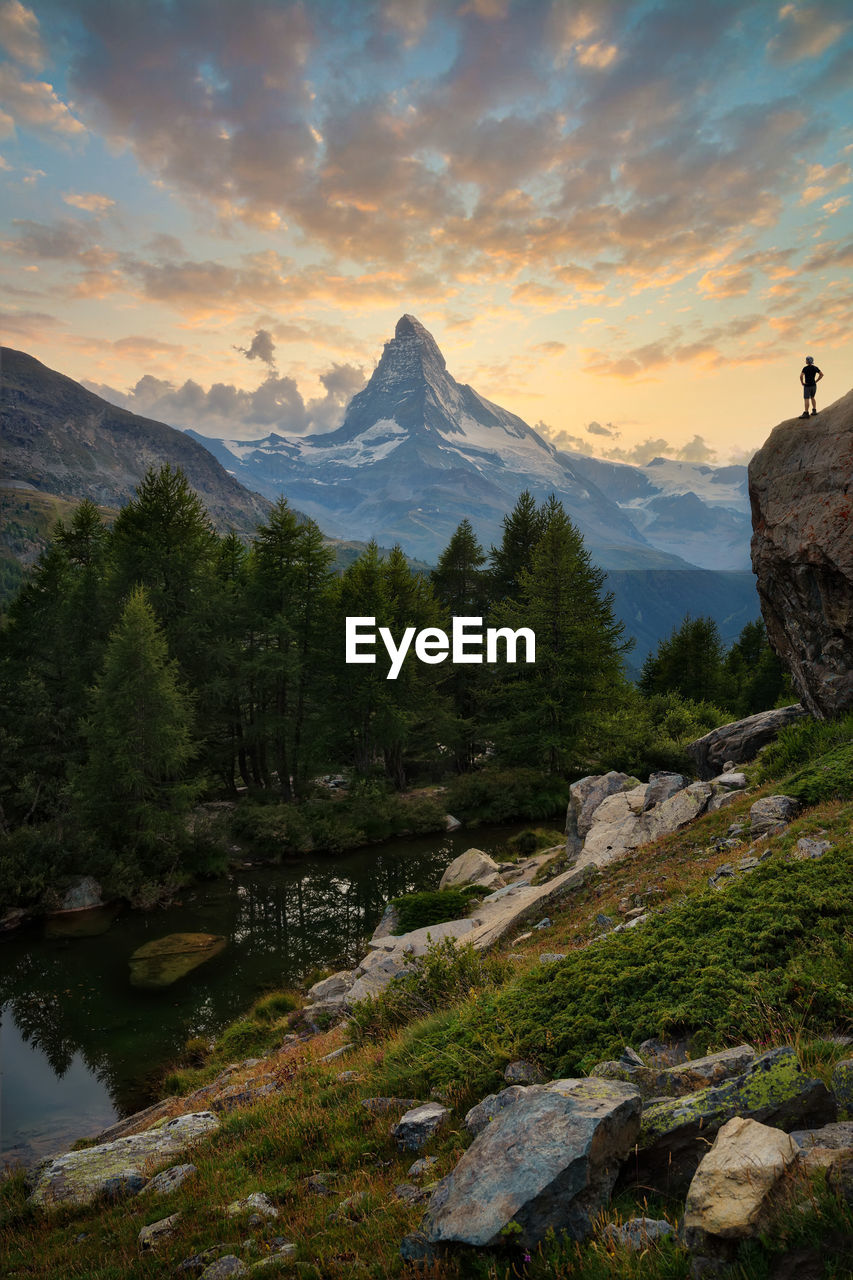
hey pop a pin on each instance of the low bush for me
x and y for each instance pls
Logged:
(504, 795)
(828, 777)
(803, 742)
(433, 906)
(774, 947)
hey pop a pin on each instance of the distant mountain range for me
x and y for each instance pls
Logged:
(417, 452)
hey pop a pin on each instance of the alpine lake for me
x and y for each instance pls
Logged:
(83, 1044)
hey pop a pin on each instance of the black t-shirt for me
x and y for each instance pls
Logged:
(810, 370)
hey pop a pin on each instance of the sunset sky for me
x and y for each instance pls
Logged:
(627, 222)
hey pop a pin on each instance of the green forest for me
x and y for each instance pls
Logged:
(151, 669)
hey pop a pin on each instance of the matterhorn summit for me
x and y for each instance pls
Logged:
(417, 452)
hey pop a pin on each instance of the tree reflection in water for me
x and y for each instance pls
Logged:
(73, 996)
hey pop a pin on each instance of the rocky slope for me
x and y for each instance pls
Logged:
(61, 439)
(801, 489)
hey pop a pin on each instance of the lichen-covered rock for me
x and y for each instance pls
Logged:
(523, 1072)
(157, 1232)
(637, 1233)
(730, 1196)
(713, 1069)
(548, 1161)
(485, 1111)
(741, 740)
(77, 1177)
(222, 1268)
(169, 1180)
(256, 1202)
(472, 867)
(842, 1087)
(414, 1129)
(662, 786)
(802, 552)
(674, 1135)
(766, 814)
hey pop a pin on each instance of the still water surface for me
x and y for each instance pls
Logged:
(79, 1046)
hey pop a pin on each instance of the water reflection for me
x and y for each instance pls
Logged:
(102, 1044)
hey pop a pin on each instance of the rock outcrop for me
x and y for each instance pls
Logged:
(801, 490)
(741, 740)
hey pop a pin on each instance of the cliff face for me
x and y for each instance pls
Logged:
(801, 491)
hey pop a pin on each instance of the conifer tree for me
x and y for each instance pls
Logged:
(133, 787)
(547, 713)
(523, 527)
(461, 586)
(689, 662)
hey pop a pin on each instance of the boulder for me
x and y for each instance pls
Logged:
(714, 1068)
(414, 1129)
(523, 1072)
(451, 823)
(661, 787)
(389, 922)
(637, 1233)
(773, 1090)
(741, 740)
(814, 849)
(731, 1193)
(77, 1177)
(802, 552)
(834, 1137)
(842, 1087)
(167, 1182)
(472, 867)
(156, 1232)
(256, 1202)
(548, 1161)
(332, 988)
(768, 812)
(621, 823)
(585, 796)
(484, 1112)
(729, 781)
(222, 1268)
(84, 894)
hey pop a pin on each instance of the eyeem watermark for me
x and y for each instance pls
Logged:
(432, 645)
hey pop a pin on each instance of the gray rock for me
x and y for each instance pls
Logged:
(620, 823)
(774, 1091)
(484, 1112)
(713, 1069)
(195, 1264)
(523, 1072)
(246, 1094)
(721, 800)
(551, 957)
(472, 867)
(337, 1053)
(130, 1182)
(423, 1166)
(281, 1254)
(451, 823)
(812, 849)
(389, 922)
(82, 895)
(256, 1203)
(414, 1129)
(842, 1087)
(637, 1233)
(331, 988)
(585, 796)
(739, 741)
(156, 1232)
(663, 1053)
(547, 1161)
(415, 1248)
(730, 781)
(165, 1183)
(662, 786)
(77, 1177)
(769, 811)
(410, 1194)
(230, 1265)
(543, 924)
(836, 1137)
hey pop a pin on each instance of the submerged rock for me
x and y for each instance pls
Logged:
(163, 961)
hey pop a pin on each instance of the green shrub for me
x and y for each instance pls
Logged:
(803, 742)
(725, 965)
(274, 1007)
(335, 824)
(447, 974)
(31, 861)
(527, 843)
(501, 795)
(829, 777)
(433, 906)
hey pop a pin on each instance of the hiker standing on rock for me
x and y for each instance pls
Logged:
(809, 377)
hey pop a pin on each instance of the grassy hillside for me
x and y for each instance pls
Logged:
(769, 959)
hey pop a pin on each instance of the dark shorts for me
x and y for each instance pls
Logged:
(809, 390)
